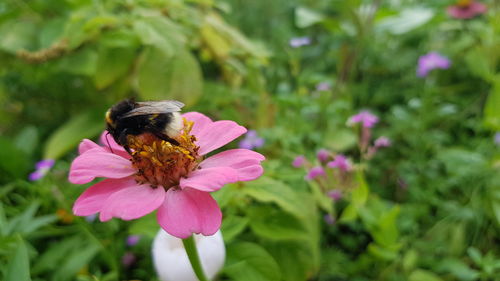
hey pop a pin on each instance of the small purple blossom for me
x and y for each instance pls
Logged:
(42, 168)
(329, 219)
(297, 42)
(91, 218)
(323, 155)
(335, 194)
(382, 142)
(340, 162)
(365, 117)
(299, 161)
(466, 9)
(315, 172)
(323, 87)
(133, 240)
(251, 140)
(128, 259)
(430, 61)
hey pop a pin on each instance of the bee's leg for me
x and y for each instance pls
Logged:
(122, 140)
(165, 137)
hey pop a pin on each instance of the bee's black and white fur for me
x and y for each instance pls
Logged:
(160, 118)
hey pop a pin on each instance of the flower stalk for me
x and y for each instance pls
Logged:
(194, 259)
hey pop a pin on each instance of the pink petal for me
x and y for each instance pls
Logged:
(217, 134)
(93, 199)
(85, 145)
(187, 211)
(245, 162)
(108, 141)
(200, 121)
(210, 179)
(98, 163)
(132, 202)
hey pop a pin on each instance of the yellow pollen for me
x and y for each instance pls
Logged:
(163, 163)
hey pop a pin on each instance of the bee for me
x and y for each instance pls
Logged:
(160, 118)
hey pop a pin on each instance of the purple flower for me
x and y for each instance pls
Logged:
(315, 172)
(335, 194)
(251, 140)
(382, 142)
(466, 9)
(299, 42)
(323, 87)
(128, 259)
(299, 161)
(323, 155)
(365, 117)
(329, 219)
(340, 162)
(133, 240)
(497, 138)
(430, 61)
(42, 168)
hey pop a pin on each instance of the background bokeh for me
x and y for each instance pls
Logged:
(424, 208)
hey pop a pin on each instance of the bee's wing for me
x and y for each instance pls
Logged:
(155, 107)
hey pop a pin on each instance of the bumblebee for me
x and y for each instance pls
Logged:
(160, 118)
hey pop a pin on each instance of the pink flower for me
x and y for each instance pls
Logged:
(335, 194)
(340, 162)
(323, 155)
(299, 161)
(173, 179)
(251, 140)
(315, 172)
(42, 168)
(431, 61)
(466, 9)
(382, 142)
(364, 117)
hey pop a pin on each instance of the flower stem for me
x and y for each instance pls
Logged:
(190, 247)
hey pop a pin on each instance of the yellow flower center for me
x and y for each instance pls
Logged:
(464, 3)
(162, 163)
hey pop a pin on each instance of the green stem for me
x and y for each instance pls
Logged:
(190, 247)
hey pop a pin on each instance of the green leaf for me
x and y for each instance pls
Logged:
(341, 139)
(160, 77)
(423, 275)
(81, 62)
(232, 226)
(69, 135)
(76, 260)
(406, 21)
(294, 258)
(250, 262)
(305, 17)
(491, 112)
(146, 226)
(274, 224)
(18, 268)
(160, 32)
(27, 140)
(14, 160)
(16, 35)
(112, 63)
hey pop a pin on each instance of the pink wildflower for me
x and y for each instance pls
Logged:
(335, 194)
(323, 155)
(382, 142)
(329, 219)
(315, 172)
(466, 9)
(299, 161)
(367, 119)
(340, 162)
(430, 61)
(42, 168)
(175, 179)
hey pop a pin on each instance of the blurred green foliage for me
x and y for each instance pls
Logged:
(427, 208)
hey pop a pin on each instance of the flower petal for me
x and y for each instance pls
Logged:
(210, 179)
(217, 134)
(200, 121)
(93, 199)
(108, 141)
(86, 145)
(98, 163)
(245, 162)
(132, 202)
(187, 211)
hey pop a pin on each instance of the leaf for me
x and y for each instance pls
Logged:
(160, 32)
(160, 77)
(81, 62)
(18, 268)
(491, 112)
(305, 17)
(17, 35)
(112, 63)
(69, 135)
(76, 260)
(406, 21)
(250, 262)
(146, 226)
(27, 140)
(294, 258)
(273, 224)
(14, 160)
(423, 275)
(232, 226)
